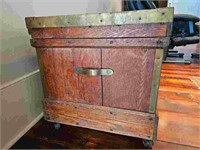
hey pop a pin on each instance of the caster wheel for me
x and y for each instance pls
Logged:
(57, 126)
(147, 143)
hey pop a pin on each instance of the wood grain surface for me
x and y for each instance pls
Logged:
(125, 122)
(171, 146)
(120, 42)
(63, 83)
(49, 78)
(179, 105)
(130, 85)
(134, 30)
(44, 136)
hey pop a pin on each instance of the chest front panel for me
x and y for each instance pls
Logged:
(129, 87)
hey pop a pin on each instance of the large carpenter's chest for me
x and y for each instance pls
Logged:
(101, 71)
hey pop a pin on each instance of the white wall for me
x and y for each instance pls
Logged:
(185, 6)
(21, 90)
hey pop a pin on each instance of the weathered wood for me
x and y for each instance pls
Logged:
(62, 83)
(129, 43)
(125, 122)
(156, 80)
(162, 15)
(130, 85)
(169, 28)
(121, 42)
(47, 66)
(126, 31)
(42, 73)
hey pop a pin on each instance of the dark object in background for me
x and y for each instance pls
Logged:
(184, 25)
(184, 32)
(138, 5)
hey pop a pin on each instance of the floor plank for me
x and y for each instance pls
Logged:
(178, 128)
(169, 146)
(43, 135)
(178, 105)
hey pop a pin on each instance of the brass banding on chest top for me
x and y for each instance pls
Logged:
(161, 15)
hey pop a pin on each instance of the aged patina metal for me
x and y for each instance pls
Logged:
(161, 15)
(93, 72)
(156, 80)
(155, 128)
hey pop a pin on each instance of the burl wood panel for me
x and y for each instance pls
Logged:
(63, 83)
(119, 42)
(136, 30)
(125, 122)
(130, 85)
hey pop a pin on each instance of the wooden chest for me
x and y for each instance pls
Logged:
(102, 71)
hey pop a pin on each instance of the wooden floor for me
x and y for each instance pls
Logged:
(179, 119)
(179, 104)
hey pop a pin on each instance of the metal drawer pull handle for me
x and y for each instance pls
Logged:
(93, 72)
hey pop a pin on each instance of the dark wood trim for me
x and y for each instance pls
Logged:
(120, 42)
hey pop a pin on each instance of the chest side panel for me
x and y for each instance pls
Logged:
(130, 85)
(61, 81)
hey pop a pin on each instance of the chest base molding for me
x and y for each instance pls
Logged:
(107, 119)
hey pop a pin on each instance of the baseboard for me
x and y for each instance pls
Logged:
(3, 86)
(20, 134)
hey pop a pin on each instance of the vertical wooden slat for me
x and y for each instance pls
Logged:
(156, 80)
(59, 73)
(49, 72)
(42, 73)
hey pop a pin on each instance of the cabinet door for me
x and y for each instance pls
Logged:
(130, 85)
(57, 65)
